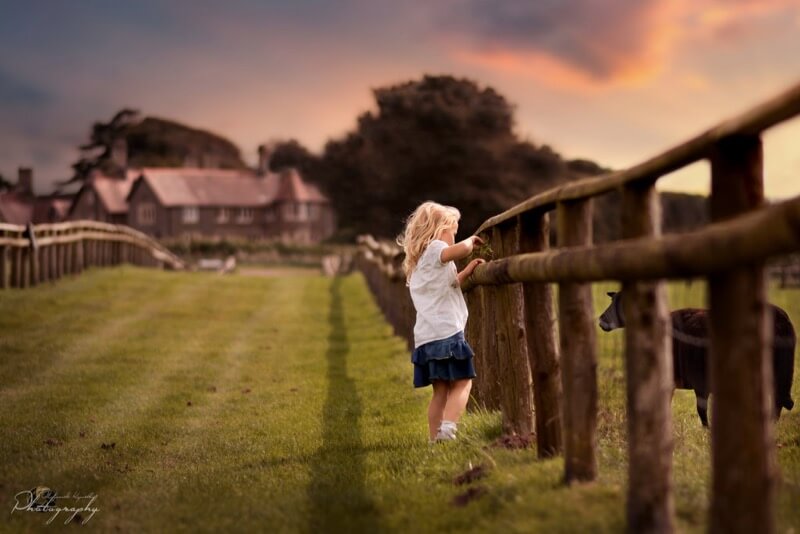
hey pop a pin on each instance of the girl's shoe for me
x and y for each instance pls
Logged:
(447, 431)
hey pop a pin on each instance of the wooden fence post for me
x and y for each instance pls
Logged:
(33, 257)
(44, 265)
(516, 395)
(68, 262)
(16, 265)
(52, 251)
(649, 381)
(5, 266)
(540, 327)
(59, 259)
(489, 346)
(742, 441)
(578, 351)
(25, 267)
(473, 334)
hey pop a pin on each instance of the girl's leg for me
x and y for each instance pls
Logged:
(457, 398)
(436, 407)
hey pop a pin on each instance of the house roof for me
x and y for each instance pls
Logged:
(15, 208)
(183, 186)
(59, 207)
(207, 187)
(293, 187)
(114, 191)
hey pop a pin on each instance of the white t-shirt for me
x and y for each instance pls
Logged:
(441, 308)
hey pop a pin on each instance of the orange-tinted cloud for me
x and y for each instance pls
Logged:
(588, 45)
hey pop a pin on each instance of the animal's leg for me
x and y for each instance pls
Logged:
(702, 406)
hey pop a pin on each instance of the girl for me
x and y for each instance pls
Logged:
(441, 356)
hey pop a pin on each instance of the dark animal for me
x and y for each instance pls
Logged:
(690, 349)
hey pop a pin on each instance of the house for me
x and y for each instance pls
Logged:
(20, 205)
(185, 201)
(103, 198)
(172, 202)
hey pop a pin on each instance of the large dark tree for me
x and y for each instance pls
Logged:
(96, 154)
(438, 138)
(448, 140)
(5, 185)
(151, 142)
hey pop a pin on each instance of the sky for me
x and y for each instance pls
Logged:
(615, 81)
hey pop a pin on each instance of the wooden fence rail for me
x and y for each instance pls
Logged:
(32, 254)
(513, 328)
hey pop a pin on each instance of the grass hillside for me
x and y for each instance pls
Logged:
(193, 402)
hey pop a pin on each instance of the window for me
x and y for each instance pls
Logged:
(146, 214)
(190, 214)
(223, 215)
(245, 215)
(301, 211)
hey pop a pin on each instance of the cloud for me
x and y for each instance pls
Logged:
(16, 92)
(583, 41)
(590, 44)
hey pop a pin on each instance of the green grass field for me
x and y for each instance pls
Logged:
(195, 402)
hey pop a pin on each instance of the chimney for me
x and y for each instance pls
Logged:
(264, 153)
(25, 181)
(119, 153)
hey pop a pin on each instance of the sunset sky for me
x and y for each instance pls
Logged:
(616, 81)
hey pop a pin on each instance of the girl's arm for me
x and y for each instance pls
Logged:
(463, 275)
(462, 249)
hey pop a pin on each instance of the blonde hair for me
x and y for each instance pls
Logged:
(422, 226)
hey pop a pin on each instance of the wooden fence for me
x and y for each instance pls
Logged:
(32, 254)
(529, 358)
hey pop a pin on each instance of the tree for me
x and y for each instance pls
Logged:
(292, 154)
(151, 142)
(96, 154)
(5, 185)
(437, 138)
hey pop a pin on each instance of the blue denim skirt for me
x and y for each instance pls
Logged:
(443, 359)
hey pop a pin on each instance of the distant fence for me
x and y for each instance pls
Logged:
(529, 358)
(32, 254)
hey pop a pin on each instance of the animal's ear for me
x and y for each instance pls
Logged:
(611, 294)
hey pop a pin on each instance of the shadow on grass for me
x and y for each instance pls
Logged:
(338, 498)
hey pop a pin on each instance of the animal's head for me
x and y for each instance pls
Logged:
(612, 317)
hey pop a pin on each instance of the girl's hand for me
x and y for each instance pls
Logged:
(471, 241)
(475, 240)
(467, 272)
(474, 263)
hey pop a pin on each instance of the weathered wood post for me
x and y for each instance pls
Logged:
(17, 272)
(473, 333)
(516, 394)
(578, 351)
(33, 257)
(5, 265)
(540, 327)
(742, 440)
(649, 380)
(60, 258)
(491, 370)
(44, 258)
(25, 267)
(52, 268)
(68, 262)
(80, 252)
(105, 251)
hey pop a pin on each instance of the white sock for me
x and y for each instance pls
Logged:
(447, 430)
